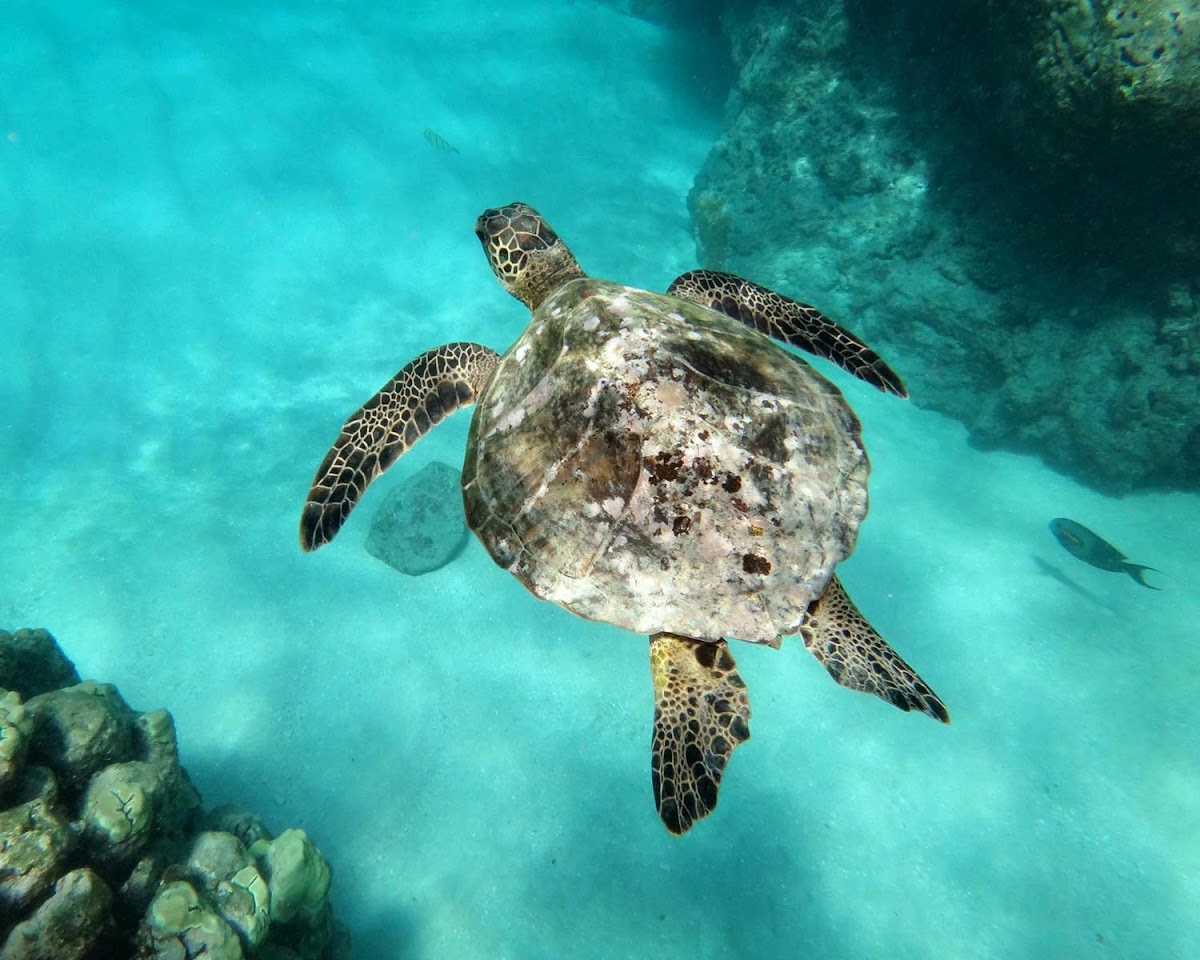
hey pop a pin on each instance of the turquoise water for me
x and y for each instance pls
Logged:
(224, 228)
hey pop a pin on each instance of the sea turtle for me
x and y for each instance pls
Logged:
(656, 462)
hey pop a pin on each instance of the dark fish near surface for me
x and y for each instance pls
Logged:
(435, 139)
(1080, 542)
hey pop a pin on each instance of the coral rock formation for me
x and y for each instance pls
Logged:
(104, 850)
(1003, 198)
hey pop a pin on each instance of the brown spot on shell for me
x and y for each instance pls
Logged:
(663, 467)
(752, 563)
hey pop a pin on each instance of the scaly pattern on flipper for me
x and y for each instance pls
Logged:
(859, 658)
(701, 713)
(417, 398)
(787, 321)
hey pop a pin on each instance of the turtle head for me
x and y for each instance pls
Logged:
(527, 257)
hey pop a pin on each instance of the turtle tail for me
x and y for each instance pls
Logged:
(1137, 571)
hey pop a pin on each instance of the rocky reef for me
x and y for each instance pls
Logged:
(1002, 198)
(105, 849)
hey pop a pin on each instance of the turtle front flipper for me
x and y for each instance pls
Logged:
(859, 658)
(788, 321)
(417, 398)
(701, 713)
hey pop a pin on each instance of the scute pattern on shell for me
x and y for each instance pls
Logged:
(647, 462)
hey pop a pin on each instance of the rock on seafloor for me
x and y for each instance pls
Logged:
(105, 849)
(420, 527)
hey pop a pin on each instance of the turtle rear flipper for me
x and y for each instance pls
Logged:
(859, 658)
(788, 321)
(701, 713)
(416, 399)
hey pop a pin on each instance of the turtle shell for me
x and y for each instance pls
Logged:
(648, 462)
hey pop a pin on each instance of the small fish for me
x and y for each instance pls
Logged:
(1080, 542)
(435, 139)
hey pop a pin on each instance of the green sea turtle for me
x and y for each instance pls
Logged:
(659, 463)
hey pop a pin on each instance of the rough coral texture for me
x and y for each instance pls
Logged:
(298, 876)
(80, 730)
(1001, 198)
(105, 850)
(1120, 69)
(15, 727)
(35, 841)
(31, 662)
(69, 923)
